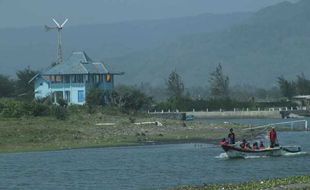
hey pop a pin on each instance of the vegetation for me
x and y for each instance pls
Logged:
(298, 182)
(175, 85)
(25, 88)
(105, 127)
(301, 86)
(272, 42)
(219, 98)
(6, 86)
(219, 83)
(19, 88)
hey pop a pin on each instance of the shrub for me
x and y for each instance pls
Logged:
(39, 109)
(95, 97)
(12, 108)
(60, 113)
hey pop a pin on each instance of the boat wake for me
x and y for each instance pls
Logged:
(222, 156)
(296, 154)
(225, 156)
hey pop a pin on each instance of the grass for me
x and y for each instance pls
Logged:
(297, 182)
(80, 131)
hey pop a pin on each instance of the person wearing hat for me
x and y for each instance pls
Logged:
(273, 137)
(231, 136)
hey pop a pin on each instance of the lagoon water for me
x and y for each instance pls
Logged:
(146, 167)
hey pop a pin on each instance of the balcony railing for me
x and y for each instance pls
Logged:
(67, 85)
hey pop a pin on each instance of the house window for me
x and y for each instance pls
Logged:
(58, 78)
(108, 78)
(81, 96)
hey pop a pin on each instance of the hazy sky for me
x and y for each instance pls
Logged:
(20, 13)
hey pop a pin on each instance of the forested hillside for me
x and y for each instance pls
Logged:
(22, 47)
(274, 42)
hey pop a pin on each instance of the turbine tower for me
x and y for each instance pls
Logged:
(59, 27)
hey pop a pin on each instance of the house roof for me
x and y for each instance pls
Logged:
(78, 63)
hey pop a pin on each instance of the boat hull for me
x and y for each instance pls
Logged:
(236, 152)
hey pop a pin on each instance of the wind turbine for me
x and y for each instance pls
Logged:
(59, 27)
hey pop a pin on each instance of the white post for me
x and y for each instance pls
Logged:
(306, 125)
(292, 124)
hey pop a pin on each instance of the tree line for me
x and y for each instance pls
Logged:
(291, 88)
(19, 87)
(131, 99)
(222, 96)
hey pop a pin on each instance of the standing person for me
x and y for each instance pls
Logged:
(273, 137)
(231, 136)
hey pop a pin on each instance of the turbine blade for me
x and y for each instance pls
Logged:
(64, 23)
(48, 28)
(58, 25)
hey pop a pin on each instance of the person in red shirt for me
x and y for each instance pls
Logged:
(273, 137)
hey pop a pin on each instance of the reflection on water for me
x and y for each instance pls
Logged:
(145, 167)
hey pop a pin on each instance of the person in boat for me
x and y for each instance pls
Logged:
(273, 138)
(261, 145)
(231, 136)
(248, 146)
(224, 141)
(255, 146)
(243, 144)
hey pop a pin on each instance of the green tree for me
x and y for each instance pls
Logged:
(288, 88)
(131, 99)
(302, 85)
(25, 89)
(219, 83)
(175, 85)
(6, 86)
(95, 97)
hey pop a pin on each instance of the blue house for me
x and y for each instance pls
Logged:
(72, 79)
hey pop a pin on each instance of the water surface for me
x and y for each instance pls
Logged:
(145, 167)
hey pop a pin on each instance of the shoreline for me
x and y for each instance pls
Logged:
(34, 134)
(293, 183)
(150, 143)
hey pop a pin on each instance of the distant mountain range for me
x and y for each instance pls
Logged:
(36, 48)
(253, 48)
(274, 41)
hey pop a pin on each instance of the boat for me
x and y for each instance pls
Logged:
(234, 151)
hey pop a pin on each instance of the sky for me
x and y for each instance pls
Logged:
(24, 13)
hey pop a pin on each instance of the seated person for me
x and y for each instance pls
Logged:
(261, 145)
(224, 141)
(248, 146)
(243, 144)
(255, 146)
